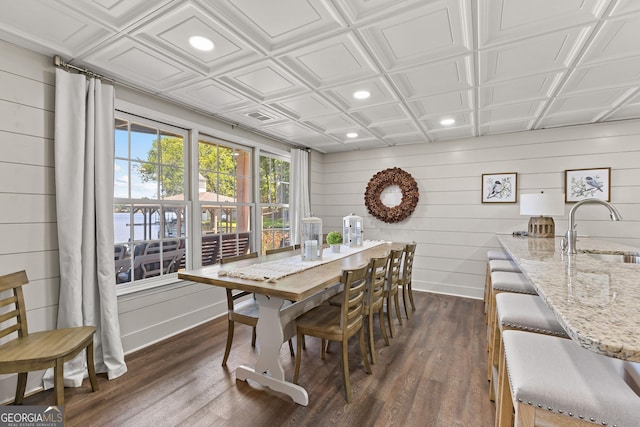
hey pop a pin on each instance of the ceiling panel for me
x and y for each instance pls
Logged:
(505, 127)
(503, 21)
(142, 65)
(434, 31)
(601, 76)
(603, 100)
(387, 113)
(275, 24)
(289, 68)
(536, 87)
(441, 77)
(442, 104)
(264, 81)
(333, 123)
(617, 38)
(332, 60)
(171, 31)
(210, 96)
(305, 106)
(510, 113)
(118, 14)
(29, 22)
(535, 55)
(381, 93)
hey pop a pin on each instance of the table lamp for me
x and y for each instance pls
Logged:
(541, 206)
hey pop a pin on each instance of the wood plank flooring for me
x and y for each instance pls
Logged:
(433, 374)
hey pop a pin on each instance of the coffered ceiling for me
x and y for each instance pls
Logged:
(289, 68)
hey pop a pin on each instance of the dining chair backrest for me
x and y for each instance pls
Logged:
(14, 319)
(278, 250)
(407, 263)
(393, 269)
(238, 257)
(233, 295)
(355, 282)
(376, 281)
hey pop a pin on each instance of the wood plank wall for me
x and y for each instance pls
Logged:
(27, 190)
(453, 228)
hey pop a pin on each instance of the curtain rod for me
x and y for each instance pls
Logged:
(59, 62)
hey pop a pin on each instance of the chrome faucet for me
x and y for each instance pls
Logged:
(569, 241)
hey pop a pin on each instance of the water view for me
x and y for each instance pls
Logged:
(122, 227)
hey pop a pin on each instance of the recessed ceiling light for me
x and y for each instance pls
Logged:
(352, 135)
(361, 94)
(201, 43)
(447, 122)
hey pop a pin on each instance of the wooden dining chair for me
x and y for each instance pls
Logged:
(38, 350)
(373, 302)
(245, 312)
(391, 286)
(278, 250)
(334, 323)
(405, 278)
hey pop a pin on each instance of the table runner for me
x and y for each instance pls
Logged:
(274, 270)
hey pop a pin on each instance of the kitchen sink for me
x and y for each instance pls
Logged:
(609, 257)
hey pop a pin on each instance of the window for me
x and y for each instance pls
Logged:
(163, 222)
(274, 202)
(150, 204)
(225, 198)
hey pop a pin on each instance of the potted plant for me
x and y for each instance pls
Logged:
(334, 239)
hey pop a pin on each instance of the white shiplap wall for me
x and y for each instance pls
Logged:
(27, 217)
(453, 228)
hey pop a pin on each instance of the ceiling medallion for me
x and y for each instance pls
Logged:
(387, 178)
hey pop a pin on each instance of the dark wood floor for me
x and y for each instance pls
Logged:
(433, 374)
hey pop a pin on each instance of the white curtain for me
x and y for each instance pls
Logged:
(84, 147)
(299, 205)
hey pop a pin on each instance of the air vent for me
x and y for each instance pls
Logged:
(259, 116)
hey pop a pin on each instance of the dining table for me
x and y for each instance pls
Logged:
(283, 297)
(594, 294)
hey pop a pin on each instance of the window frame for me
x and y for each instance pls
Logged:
(162, 128)
(260, 204)
(196, 125)
(206, 138)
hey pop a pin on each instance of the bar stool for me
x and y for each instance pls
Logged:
(492, 266)
(492, 255)
(520, 312)
(504, 281)
(554, 382)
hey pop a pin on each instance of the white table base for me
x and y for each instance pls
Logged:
(270, 336)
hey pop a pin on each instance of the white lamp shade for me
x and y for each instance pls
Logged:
(543, 204)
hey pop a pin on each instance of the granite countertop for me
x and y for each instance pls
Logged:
(597, 301)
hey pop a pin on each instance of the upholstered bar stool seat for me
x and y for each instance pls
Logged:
(504, 281)
(527, 313)
(521, 312)
(503, 265)
(495, 256)
(493, 266)
(554, 382)
(508, 281)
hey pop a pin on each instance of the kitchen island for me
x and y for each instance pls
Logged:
(594, 294)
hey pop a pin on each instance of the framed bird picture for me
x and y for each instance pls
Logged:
(500, 187)
(583, 184)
